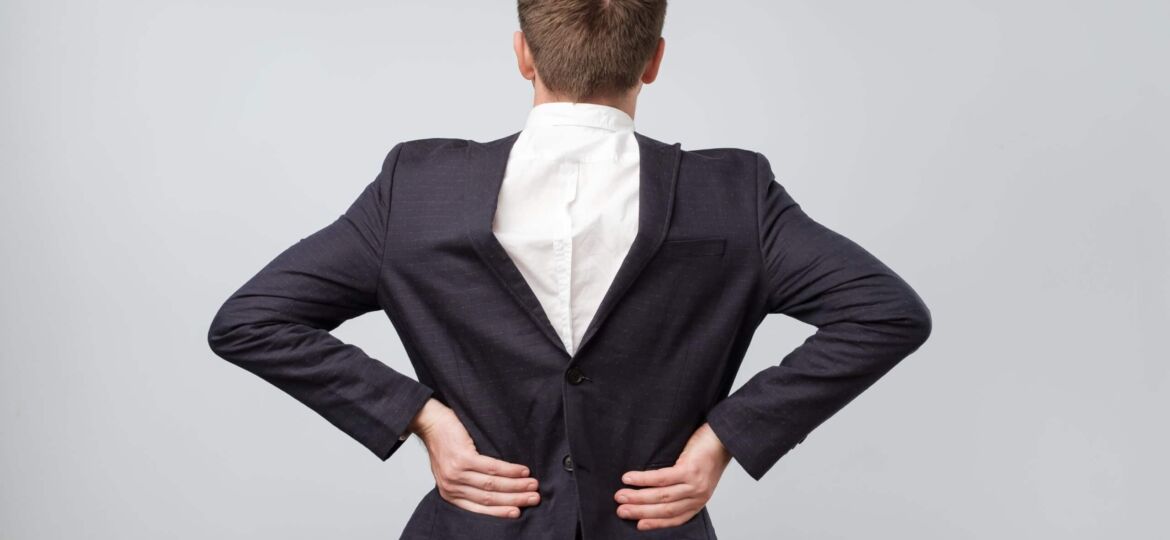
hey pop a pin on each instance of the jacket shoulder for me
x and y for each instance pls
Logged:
(724, 163)
(721, 153)
(430, 147)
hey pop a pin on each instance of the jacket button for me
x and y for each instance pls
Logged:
(574, 375)
(568, 463)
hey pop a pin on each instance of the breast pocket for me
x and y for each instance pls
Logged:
(710, 246)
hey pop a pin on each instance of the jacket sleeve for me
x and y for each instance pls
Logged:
(277, 325)
(867, 318)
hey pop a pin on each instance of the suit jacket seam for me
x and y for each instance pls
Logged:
(388, 169)
(763, 280)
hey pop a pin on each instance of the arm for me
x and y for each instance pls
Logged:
(867, 318)
(277, 325)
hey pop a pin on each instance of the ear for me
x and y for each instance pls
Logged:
(523, 56)
(651, 72)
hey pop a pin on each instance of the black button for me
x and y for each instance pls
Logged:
(568, 463)
(574, 375)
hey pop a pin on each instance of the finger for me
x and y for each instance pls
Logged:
(488, 482)
(647, 524)
(494, 498)
(652, 495)
(655, 477)
(659, 511)
(497, 467)
(498, 511)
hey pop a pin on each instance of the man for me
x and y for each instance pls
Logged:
(576, 299)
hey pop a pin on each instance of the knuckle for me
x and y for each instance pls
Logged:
(451, 477)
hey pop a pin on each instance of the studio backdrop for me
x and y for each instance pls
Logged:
(1008, 159)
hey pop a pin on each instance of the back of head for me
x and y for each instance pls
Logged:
(586, 49)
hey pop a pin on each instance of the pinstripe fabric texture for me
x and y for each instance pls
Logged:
(720, 245)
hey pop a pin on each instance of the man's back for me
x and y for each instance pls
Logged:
(720, 245)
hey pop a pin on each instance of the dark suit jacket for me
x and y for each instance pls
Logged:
(720, 245)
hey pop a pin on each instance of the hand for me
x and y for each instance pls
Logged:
(465, 477)
(678, 492)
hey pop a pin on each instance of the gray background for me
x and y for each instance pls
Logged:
(1009, 159)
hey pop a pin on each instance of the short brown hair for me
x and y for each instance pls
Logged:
(591, 48)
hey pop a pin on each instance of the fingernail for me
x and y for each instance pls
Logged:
(532, 499)
(626, 479)
(513, 513)
(525, 472)
(623, 498)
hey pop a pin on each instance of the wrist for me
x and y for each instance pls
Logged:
(424, 421)
(717, 445)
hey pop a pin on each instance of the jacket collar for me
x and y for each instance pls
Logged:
(486, 162)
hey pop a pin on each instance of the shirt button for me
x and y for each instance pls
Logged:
(568, 463)
(574, 375)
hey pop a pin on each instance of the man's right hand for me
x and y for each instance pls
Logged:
(465, 477)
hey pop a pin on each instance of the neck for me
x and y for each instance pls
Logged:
(626, 102)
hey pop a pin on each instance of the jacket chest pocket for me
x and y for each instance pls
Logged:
(711, 246)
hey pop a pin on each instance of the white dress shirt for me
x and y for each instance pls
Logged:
(568, 207)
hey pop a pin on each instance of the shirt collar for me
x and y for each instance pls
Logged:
(566, 113)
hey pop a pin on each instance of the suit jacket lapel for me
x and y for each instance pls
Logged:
(486, 163)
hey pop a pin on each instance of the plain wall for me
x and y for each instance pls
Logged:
(1008, 158)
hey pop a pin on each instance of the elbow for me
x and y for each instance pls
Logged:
(922, 325)
(245, 334)
(918, 322)
(223, 334)
(902, 319)
(217, 335)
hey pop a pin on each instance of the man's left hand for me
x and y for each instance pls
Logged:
(672, 495)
